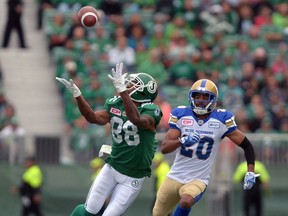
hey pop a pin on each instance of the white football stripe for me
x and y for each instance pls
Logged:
(87, 14)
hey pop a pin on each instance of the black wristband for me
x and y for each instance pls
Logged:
(248, 151)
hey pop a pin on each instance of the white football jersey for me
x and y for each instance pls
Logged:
(195, 162)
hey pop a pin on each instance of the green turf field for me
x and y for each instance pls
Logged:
(66, 186)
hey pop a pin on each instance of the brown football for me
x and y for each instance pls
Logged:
(88, 16)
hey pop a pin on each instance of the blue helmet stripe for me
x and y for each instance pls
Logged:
(203, 83)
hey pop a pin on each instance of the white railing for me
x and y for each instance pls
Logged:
(269, 148)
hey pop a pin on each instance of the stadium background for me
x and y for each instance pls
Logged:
(28, 84)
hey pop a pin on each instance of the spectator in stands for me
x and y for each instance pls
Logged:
(255, 38)
(246, 18)
(100, 42)
(190, 13)
(215, 20)
(266, 126)
(113, 10)
(285, 35)
(154, 67)
(248, 82)
(68, 6)
(207, 66)
(118, 32)
(79, 38)
(284, 126)
(85, 139)
(70, 69)
(42, 6)
(191, 127)
(182, 71)
(144, 5)
(272, 93)
(278, 115)
(243, 53)
(71, 111)
(95, 90)
(89, 62)
(14, 17)
(264, 17)
(74, 24)
(121, 52)
(133, 120)
(228, 68)
(56, 31)
(157, 37)
(135, 20)
(13, 136)
(7, 111)
(166, 7)
(179, 43)
(280, 16)
(279, 66)
(255, 112)
(243, 126)
(142, 53)
(260, 61)
(138, 36)
(177, 25)
(231, 16)
(159, 19)
(30, 188)
(253, 199)
(1, 75)
(111, 7)
(233, 96)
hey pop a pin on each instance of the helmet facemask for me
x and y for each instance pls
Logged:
(207, 105)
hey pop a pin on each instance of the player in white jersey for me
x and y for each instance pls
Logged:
(195, 134)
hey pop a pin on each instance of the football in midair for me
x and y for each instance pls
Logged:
(88, 16)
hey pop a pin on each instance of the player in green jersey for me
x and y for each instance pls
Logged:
(133, 120)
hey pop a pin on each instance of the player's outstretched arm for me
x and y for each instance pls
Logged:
(98, 117)
(171, 141)
(118, 79)
(242, 141)
(70, 86)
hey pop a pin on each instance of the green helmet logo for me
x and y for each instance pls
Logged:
(152, 87)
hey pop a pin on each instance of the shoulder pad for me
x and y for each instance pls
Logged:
(223, 115)
(151, 106)
(113, 100)
(180, 111)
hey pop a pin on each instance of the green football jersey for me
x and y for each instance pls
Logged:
(132, 148)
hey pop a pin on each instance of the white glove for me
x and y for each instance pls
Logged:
(191, 139)
(105, 149)
(71, 86)
(117, 78)
(249, 180)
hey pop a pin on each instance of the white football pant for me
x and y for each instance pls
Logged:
(123, 190)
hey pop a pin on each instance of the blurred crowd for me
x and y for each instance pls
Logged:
(10, 130)
(242, 45)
